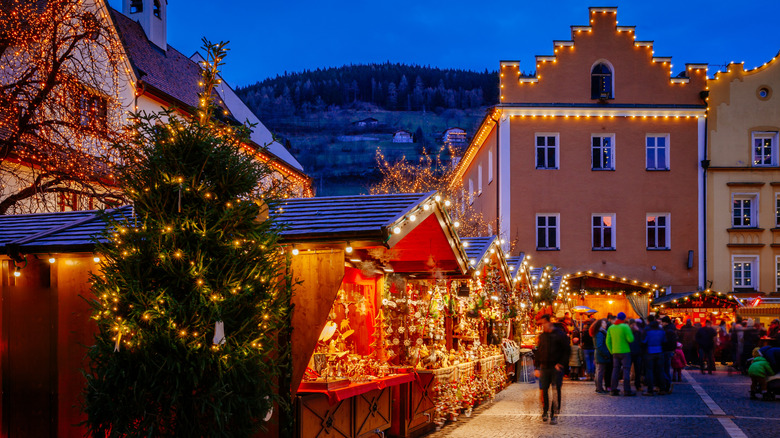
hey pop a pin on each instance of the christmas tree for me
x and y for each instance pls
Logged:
(192, 304)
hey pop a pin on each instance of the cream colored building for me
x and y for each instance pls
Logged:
(743, 180)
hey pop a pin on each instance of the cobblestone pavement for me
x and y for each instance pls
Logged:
(711, 406)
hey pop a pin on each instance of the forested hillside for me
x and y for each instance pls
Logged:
(392, 87)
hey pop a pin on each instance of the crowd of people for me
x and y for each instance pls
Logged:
(649, 354)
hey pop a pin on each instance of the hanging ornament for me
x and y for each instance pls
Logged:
(219, 333)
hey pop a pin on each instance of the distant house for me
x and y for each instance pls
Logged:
(402, 136)
(455, 137)
(366, 123)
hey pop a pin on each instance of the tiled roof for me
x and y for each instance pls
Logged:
(54, 232)
(336, 217)
(168, 71)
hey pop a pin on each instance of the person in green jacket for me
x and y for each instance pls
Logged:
(759, 371)
(619, 339)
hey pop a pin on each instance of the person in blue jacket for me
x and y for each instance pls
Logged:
(653, 340)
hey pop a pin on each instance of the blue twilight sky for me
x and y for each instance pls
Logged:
(268, 38)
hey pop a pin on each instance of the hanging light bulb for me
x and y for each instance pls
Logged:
(52, 260)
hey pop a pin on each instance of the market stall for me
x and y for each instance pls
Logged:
(609, 294)
(46, 261)
(368, 311)
(698, 306)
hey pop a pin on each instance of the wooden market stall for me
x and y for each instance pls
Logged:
(46, 261)
(698, 306)
(372, 270)
(610, 294)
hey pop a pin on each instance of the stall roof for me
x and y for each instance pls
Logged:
(415, 227)
(536, 276)
(476, 248)
(669, 299)
(343, 217)
(70, 231)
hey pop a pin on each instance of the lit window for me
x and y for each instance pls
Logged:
(657, 147)
(777, 273)
(547, 231)
(744, 272)
(658, 231)
(765, 149)
(777, 210)
(547, 151)
(603, 152)
(603, 231)
(601, 82)
(743, 211)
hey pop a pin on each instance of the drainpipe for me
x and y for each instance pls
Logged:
(705, 164)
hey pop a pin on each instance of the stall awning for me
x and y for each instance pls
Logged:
(70, 231)
(697, 299)
(414, 227)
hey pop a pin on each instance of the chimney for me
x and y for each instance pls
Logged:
(152, 15)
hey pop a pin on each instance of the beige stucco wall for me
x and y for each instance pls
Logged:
(735, 111)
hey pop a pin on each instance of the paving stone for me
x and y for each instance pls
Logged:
(516, 412)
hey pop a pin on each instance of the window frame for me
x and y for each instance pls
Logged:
(777, 209)
(601, 147)
(667, 231)
(777, 273)
(479, 179)
(754, 202)
(471, 191)
(774, 153)
(547, 227)
(665, 136)
(754, 271)
(490, 166)
(556, 150)
(611, 80)
(613, 234)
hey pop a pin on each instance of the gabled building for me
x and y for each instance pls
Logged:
(743, 180)
(151, 75)
(591, 162)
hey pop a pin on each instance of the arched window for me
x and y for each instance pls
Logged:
(156, 9)
(136, 6)
(601, 82)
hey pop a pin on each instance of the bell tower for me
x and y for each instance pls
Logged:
(152, 15)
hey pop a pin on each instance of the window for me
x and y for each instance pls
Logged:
(777, 273)
(765, 149)
(90, 110)
(744, 272)
(547, 231)
(479, 180)
(777, 210)
(603, 226)
(156, 9)
(658, 231)
(601, 82)
(490, 167)
(471, 191)
(603, 152)
(657, 151)
(136, 6)
(743, 211)
(547, 151)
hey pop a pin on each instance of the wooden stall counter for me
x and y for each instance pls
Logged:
(357, 410)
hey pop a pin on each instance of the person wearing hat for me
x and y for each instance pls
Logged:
(619, 339)
(653, 341)
(668, 348)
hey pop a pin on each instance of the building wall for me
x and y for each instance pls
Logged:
(646, 100)
(487, 201)
(566, 78)
(736, 110)
(575, 192)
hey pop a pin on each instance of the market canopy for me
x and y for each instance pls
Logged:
(696, 299)
(67, 231)
(483, 251)
(408, 232)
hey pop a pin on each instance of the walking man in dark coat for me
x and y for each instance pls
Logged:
(552, 355)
